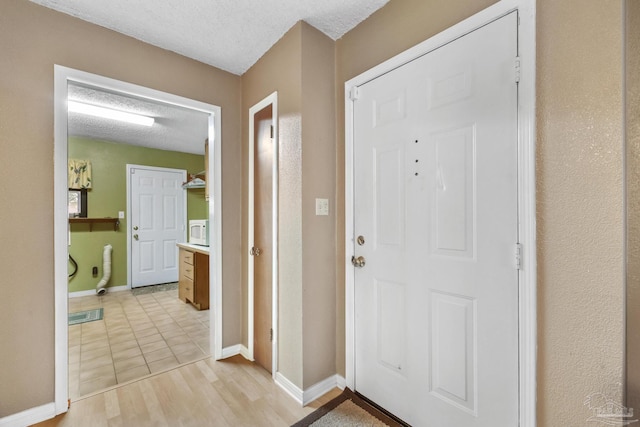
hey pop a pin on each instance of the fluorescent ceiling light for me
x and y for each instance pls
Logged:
(108, 113)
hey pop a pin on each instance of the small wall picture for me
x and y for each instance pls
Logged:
(77, 204)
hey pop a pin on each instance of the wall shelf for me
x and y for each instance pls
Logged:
(91, 221)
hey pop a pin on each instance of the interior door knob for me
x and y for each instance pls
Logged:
(255, 251)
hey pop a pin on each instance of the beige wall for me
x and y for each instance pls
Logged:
(579, 167)
(318, 181)
(633, 201)
(579, 204)
(280, 69)
(301, 68)
(32, 40)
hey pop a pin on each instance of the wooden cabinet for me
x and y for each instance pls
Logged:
(193, 285)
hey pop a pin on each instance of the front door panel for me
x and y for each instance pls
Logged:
(436, 304)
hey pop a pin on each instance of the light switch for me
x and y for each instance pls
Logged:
(121, 214)
(322, 206)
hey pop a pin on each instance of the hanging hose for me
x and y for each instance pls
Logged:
(75, 266)
(106, 268)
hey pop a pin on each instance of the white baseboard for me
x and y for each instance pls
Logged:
(234, 350)
(291, 389)
(244, 352)
(29, 416)
(341, 382)
(312, 393)
(93, 291)
(321, 388)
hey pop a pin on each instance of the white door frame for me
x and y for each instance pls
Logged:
(129, 234)
(62, 76)
(273, 101)
(526, 187)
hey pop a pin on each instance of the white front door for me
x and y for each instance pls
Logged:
(435, 202)
(157, 222)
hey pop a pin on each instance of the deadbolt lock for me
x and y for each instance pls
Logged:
(360, 240)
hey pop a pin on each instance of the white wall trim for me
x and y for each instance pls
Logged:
(321, 388)
(234, 350)
(289, 387)
(62, 76)
(273, 101)
(304, 397)
(60, 240)
(90, 292)
(341, 382)
(215, 232)
(29, 416)
(244, 352)
(526, 187)
(527, 212)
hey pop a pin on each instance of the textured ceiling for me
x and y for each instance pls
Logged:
(228, 34)
(175, 128)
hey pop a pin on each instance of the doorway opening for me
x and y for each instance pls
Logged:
(64, 78)
(263, 233)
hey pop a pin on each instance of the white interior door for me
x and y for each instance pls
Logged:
(157, 222)
(435, 172)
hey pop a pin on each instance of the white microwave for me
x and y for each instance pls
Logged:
(199, 232)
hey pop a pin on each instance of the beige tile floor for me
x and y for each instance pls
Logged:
(138, 335)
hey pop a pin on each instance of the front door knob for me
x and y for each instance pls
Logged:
(135, 236)
(358, 262)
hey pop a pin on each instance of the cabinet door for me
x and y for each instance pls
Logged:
(187, 273)
(201, 280)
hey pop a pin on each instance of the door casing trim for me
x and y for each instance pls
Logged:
(273, 101)
(62, 76)
(526, 187)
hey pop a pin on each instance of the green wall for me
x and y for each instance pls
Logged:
(109, 195)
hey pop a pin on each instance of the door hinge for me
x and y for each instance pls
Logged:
(354, 93)
(271, 132)
(517, 69)
(518, 254)
(271, 335)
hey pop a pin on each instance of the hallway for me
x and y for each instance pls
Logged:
(142, 332)
(233, 392)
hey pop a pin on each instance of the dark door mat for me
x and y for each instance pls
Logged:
(348, 409)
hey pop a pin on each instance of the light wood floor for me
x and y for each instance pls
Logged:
(233, 392)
